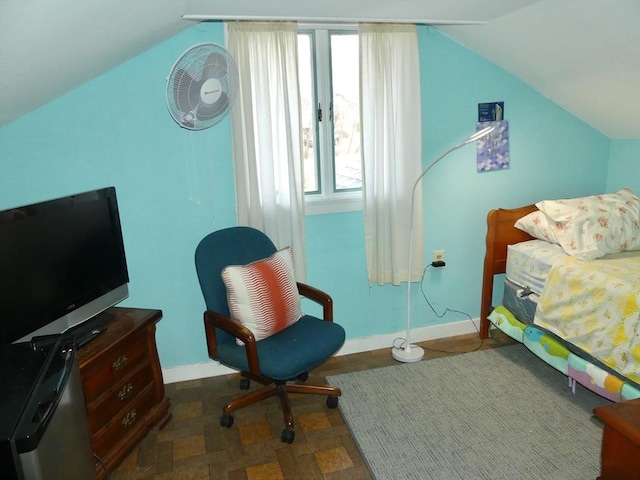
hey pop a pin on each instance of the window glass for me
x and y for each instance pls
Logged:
(345, 81)
(308, 104)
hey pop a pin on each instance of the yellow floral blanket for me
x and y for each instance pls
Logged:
(596, 306)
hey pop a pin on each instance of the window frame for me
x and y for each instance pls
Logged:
(326, 199)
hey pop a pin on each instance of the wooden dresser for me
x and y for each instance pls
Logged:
(123, 386)
(620, 440)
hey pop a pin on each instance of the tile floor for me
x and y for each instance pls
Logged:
(193, 445)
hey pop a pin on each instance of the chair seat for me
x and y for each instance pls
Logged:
(307, 343)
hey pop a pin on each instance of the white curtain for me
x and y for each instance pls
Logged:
(392, 150)
(266, 134)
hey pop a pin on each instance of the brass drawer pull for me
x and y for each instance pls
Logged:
(125, 391)
(129, 419)
(120, 362)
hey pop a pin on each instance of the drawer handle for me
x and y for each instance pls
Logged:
(125, 392)
(129, 419)
(120, 362)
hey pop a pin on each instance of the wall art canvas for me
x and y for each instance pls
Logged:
(493, 150)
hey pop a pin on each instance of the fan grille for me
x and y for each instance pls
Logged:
(202, 86)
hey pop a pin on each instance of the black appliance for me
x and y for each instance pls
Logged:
(62, 262)
(43, 425)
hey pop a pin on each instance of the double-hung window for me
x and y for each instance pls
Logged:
(328, 59)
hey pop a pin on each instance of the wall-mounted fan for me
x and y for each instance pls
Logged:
(202, 86)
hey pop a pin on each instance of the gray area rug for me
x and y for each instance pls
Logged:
(499, 414)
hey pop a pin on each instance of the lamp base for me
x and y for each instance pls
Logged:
(415, 354)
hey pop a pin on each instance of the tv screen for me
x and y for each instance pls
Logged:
(62, 262)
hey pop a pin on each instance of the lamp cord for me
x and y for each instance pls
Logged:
(440, 315)
(104, 467)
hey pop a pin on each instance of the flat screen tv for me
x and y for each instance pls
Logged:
(62, 263)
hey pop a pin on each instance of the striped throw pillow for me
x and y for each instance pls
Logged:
(263, 295)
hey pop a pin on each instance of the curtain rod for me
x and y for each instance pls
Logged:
(258, 18)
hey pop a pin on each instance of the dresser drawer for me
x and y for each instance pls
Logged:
(119, 397)
(122, 383)
(114, 366)
(126, 420)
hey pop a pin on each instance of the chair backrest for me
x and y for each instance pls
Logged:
(230, 246)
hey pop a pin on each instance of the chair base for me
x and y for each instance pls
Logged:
(282, 390)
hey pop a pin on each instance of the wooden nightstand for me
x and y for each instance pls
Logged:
(122, 383)
(620, 440)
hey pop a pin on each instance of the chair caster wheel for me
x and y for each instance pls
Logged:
(303, 376)
(244, 384)
(287, 436)
(226, 420)
(332, 401)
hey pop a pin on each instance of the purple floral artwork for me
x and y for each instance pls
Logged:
(493, 150)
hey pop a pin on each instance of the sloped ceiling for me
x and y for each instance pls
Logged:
(582, 54)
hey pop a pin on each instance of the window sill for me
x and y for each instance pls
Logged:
(336, 204)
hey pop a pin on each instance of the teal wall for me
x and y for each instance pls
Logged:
(624, 166)
(176, 185)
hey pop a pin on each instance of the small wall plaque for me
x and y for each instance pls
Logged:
(491, 112)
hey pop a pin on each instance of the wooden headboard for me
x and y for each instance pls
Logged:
(500, 233)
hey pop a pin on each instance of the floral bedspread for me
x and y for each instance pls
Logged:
(596, 306)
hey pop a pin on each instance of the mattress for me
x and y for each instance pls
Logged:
(518, 301)
(529, 263)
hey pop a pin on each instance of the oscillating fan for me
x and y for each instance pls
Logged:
(202, 86)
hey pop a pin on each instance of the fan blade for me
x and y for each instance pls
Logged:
(215, 66)
(207, 111)
(186, 90)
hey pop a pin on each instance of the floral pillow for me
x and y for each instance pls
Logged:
(538, 226)
(263, 295)
(588, 227)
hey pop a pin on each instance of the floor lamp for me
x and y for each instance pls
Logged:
(408, 352)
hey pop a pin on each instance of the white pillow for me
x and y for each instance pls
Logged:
(263, 295)
(538, 226)
(588, 227)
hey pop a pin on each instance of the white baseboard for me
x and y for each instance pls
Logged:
(364, 344)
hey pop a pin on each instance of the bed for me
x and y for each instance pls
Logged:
(582, 313)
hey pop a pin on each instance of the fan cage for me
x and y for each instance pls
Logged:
(199, 63)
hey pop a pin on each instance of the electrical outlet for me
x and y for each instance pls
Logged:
(438, 255)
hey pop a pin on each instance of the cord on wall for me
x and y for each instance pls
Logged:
(439, 264)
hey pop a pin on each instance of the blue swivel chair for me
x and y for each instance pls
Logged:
(279, 362)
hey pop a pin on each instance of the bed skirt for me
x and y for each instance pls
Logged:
(576, 365)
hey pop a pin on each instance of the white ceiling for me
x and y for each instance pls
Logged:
(582, 54)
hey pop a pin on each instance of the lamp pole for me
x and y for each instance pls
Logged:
(408, 352)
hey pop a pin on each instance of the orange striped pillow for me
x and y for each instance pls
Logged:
(263, 295)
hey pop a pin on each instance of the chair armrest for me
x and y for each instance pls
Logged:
(319, 297)
(213, 320)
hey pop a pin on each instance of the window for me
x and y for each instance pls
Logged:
(328, 60)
